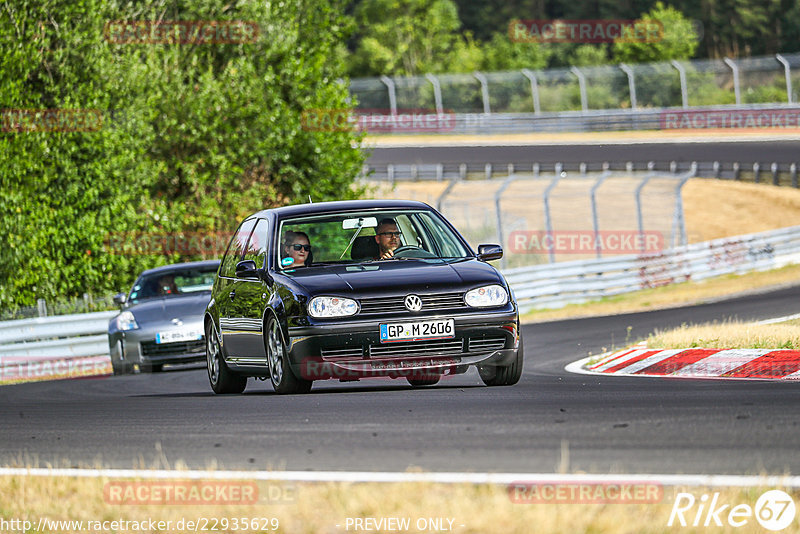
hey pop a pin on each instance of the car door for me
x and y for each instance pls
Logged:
(248, 297)
(229, 309)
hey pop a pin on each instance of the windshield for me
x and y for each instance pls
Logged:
(173, 283)
(355, 237)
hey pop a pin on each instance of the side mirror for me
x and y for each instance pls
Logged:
(120, 299)
(246, 269)
(265, 277)
(489, 252)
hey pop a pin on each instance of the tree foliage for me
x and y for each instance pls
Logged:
(194, 136)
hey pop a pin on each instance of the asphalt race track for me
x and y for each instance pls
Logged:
(727, 152)
(609, 424)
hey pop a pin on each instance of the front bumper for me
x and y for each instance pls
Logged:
(139, 346)
(353, 350)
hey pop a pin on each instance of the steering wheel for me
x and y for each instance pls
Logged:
(404, 248)
(412, 251)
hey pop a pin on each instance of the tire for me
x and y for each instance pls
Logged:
(423, 379)
(509, 375)
(151, 367)
(280, 373)
(221, 378)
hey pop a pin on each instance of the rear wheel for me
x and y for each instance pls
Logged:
(222, 379)
(503, 376)
(280, 373)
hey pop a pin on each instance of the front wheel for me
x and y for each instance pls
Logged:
(222, 379)
(280, 373)
(503, 376)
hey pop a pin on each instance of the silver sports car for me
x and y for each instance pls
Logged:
(161, 320)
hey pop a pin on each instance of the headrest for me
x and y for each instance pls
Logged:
(364, 248)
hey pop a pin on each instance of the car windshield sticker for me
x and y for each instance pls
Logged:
(286, 261)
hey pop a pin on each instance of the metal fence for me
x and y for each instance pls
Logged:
(553, 286)
(675, 84)
(549, 214)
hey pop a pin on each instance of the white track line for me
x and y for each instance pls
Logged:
(740, 481)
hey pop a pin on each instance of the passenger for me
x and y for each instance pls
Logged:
(166, 285)
(296, 247)
(387, 235)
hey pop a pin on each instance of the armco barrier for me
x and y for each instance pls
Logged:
(52, 339)
(556, 285)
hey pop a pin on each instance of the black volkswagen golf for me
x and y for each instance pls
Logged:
(358, 289)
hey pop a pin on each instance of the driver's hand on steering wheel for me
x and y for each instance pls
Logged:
(387, 255)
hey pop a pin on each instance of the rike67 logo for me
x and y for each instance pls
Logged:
(774, 510)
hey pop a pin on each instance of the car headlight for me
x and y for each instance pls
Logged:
(332, 307)
(486, 296)
(126, 321)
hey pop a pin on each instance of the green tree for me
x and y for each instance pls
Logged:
(677, 39)
(194, 136)
(405, 37)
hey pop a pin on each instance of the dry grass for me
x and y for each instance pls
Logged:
(717, 209)
(729, 334)
(674, 295)
(326, 507)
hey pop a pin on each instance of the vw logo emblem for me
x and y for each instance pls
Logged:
(413, 303)
(177, 322)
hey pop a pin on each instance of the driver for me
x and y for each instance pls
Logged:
(387, 235)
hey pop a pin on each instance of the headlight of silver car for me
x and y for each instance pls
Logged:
(332, 307)
(126, 321)
(483, 297)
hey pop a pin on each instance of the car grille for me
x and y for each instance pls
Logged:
(483, 344)
(416, 348)
(342, 353)
(151, 348)
(436, 301)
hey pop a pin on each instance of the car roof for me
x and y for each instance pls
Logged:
(341, 205)
(179, 266)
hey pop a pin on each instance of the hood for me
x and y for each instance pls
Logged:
(391, 278)
(186, 308)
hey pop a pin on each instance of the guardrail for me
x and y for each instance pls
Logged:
(759, 172)
(556, 285)
(43, 346)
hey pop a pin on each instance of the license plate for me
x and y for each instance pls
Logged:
(439, 329)
(178, 335)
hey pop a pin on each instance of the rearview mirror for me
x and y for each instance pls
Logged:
(246, 269)
(361, 222)
(490, 252)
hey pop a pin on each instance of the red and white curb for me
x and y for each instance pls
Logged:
(754, 364)
(747, 364)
